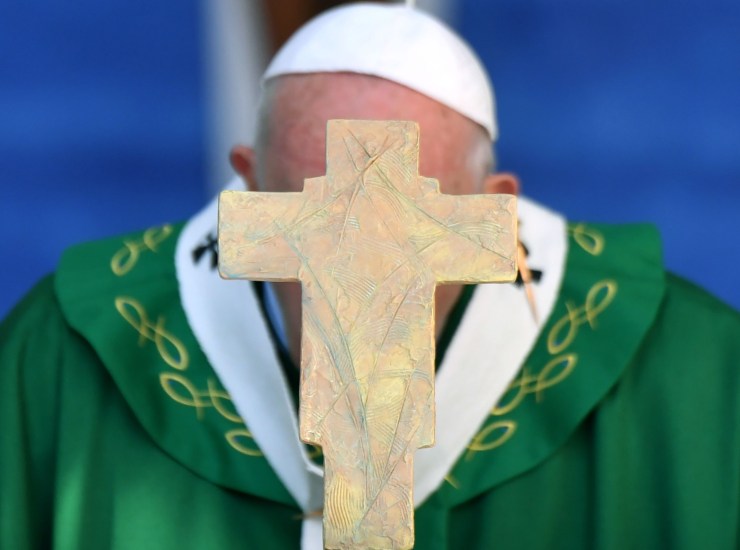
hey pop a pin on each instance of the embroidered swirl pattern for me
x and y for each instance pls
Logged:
(589, 239)
(152, 329)
(128, 255)
(564, 332)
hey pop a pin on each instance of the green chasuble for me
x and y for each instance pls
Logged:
(620, 430)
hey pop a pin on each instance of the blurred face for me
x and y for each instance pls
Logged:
(291, 147)
(453, 149)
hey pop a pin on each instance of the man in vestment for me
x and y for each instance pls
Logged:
(146, 403)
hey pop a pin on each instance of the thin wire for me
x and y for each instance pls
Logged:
(527, 280)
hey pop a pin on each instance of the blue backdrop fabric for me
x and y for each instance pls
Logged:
(624, 111)
(101, 126)
(609, 111)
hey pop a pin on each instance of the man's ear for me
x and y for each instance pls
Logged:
(503, 182)
(244, 162)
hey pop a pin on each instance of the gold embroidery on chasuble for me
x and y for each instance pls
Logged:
(588, 238)
(128, 255)
(152, 330)
(560, 344)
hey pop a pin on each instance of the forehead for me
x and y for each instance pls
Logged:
(300, 105)
(318, 94)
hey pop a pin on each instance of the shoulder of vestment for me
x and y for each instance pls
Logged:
(121, 294)
(610, 296)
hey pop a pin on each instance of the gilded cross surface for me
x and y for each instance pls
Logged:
(368, 242)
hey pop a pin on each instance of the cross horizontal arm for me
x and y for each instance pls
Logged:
(254, 235)
(470, 239)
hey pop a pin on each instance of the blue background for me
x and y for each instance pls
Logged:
(625, 111)
(609, 111)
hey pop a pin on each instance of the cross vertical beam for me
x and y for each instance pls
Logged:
(368, 242)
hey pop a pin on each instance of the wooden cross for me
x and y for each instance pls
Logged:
(368, 242)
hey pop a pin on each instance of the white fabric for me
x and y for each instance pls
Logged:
(227, 321)
(312, 534)
(398, 43)
(494, 337)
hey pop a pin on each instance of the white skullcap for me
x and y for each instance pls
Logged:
(398, 43)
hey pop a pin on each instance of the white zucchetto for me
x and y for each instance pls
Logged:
(398, 43)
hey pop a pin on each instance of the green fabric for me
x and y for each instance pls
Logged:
(595, 328)
(77, 471)
(656, 465)
(110, 439)
(133, 319)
